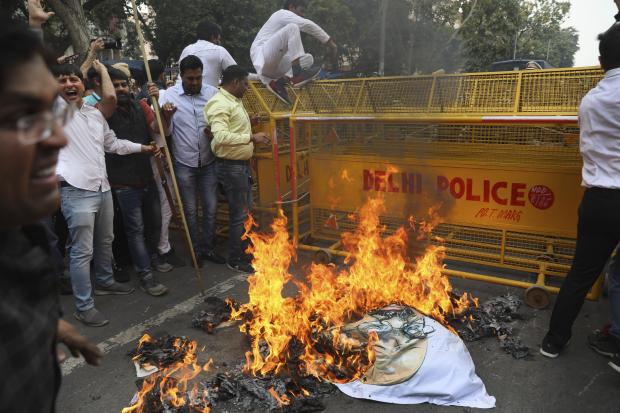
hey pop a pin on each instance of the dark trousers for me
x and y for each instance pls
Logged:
(139, 208)
(598, 233)
(236, 179)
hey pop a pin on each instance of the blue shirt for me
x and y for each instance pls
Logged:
(189, 142)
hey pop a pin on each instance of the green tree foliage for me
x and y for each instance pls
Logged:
(527, 29)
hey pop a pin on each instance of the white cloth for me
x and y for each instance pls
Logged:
(600, 133)
(278, 43)
(163, 247)
(82, 162)
(447, 377)
(215, 59)
(189, 143)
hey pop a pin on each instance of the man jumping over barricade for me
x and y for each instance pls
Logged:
(278, 54)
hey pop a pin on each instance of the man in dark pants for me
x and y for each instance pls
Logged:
(131, 179)
(233, 146)
(598, 230)
(31, 135)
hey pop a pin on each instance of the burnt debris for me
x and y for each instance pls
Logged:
(494, 318)
(161, 352)
(216, 312)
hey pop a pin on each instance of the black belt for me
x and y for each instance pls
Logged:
(605, 192)
(232, 161)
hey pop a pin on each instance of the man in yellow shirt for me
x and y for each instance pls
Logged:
(233, 146)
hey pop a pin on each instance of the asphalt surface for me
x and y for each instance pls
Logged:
(578, 381)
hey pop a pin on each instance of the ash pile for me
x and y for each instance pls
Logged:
(496, 317)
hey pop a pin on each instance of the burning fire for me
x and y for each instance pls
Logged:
(173, 384)
(306, 327)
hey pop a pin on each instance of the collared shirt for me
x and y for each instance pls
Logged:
(215, 59)
(92, 99)
(82, 162)
(600, 133)
(231, 127)
(276, 22)
(29, 312)
(189, 142)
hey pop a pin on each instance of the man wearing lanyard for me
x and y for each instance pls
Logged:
(233, 146)
(194, 162)
(598, 230)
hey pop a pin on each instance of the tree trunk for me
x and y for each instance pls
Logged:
(72, 15)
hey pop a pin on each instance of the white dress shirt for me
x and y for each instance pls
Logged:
(599, 121)
(215, 59)
(276, 22)
(189, 142)
(82, 162)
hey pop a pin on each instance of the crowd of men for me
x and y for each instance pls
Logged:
(79, 144)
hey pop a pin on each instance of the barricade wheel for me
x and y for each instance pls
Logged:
(322, 257)
(537, 297)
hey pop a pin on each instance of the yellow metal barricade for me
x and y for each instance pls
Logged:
(496, 153)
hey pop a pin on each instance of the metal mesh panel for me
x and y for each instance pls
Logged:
(488, 247)
(523, 145)
(556, 91)
(548, 91)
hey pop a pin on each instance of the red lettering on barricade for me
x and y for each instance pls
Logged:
(495, 194)
(369, 180)
(391, 187)
(517, 197)
(380, 181)
(457, 188)
(486, 197)
(470, 189)
(408, 183)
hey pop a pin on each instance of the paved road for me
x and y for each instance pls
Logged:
(579, 381)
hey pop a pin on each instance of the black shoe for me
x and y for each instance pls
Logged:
(602, 342)
(171, 258)
(615, 362)
(214, 257)
(121, 275)
(277, 87)
(549, 348)
(241, 267)
(305, 76)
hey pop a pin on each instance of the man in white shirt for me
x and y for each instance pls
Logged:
(194, 162)
(598, 230)
(86, 199)
(215, 59)
(278, 53)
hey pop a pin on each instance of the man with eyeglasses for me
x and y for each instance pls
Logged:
(86, 198)
(31, 136)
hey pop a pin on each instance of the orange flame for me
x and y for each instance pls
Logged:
(175, 387)
(378, 274)
(282, 400)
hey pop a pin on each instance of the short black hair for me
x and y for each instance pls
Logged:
(116, 74)
(18, 45)
(92, 74)
(67, 70)
(232, 73)
(609, 47)
(156, 68)
(190, 62)
(295, 3)
(207, 30)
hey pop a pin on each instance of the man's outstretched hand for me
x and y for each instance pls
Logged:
(77, 344)
(37, 17)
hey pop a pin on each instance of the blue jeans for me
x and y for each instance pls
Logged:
(90, 217)
(236, 178)
(193, 182)
(138, 205)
